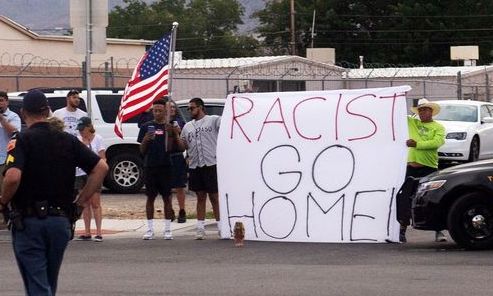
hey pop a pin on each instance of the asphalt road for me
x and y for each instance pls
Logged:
(131, 266)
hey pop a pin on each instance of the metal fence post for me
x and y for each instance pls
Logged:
(17, 82)
(487, 85)
(459, 86)
(83, 75)
(106, 74)
(112, 73)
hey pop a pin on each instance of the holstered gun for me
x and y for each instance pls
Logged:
(4, 216)
(15, 220)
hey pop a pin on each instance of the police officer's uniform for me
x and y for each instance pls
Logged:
(47, 159)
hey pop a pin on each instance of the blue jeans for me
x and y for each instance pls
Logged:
(39, 250)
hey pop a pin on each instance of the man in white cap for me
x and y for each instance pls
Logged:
(425, 137)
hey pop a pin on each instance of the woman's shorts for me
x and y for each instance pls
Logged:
(179, 170)
(80, 182)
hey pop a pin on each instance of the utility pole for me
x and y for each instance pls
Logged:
(313, 27)
(293, 32)
(89, 19)
(88, 55)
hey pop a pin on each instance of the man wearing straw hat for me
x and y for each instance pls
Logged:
(425, 137)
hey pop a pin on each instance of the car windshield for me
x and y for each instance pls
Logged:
(457, 113)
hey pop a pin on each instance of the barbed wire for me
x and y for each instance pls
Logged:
(352, 65)
(33, 64)
(120, 66)
(18, 64)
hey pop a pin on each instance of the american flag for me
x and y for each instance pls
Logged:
(148, 83)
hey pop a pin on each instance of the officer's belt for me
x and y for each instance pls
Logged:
(52, 211)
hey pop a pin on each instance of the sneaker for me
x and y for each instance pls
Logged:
(182, 216)
(200, 234)
(84, 237)
(98, 238)
(173, 216)
(440, 237)
(168, 235)
(148, 235)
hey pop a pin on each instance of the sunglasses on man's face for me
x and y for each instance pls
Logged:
(192, 108)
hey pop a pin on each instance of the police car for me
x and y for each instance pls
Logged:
(459, 199)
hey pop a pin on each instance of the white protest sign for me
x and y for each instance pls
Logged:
(318, 166)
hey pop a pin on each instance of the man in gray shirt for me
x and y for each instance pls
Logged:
(199, 137)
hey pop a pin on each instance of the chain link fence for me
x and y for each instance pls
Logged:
(22, 72)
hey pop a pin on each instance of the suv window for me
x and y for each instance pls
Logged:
(15, 104)
(60, 102)
(109, 106)
(209, 110)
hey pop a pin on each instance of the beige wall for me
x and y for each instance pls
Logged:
(60, 49)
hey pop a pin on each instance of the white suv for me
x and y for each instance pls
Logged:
(123, 156)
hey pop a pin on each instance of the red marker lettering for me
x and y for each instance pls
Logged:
(277, 103)
(295, 121)
(236, 116)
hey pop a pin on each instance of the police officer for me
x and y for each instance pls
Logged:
(38, 186)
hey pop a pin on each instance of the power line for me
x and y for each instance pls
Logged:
(407, 16)
(407, 31)
(418, 42)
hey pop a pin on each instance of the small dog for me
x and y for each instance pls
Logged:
(239, 234)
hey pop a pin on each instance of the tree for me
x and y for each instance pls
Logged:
(386, 32)
(207, 28)
(132, 22)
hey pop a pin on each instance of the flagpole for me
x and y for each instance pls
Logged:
(172, 55)
(170, 79)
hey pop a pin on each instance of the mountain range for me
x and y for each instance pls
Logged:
(53, 16)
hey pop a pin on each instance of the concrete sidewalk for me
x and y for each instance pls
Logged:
(115, 228)
(135, 228)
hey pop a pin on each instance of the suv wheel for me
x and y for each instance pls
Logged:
(470, 221)
(125, 174)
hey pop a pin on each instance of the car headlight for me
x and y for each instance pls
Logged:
(428, 186)
(457, 136)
